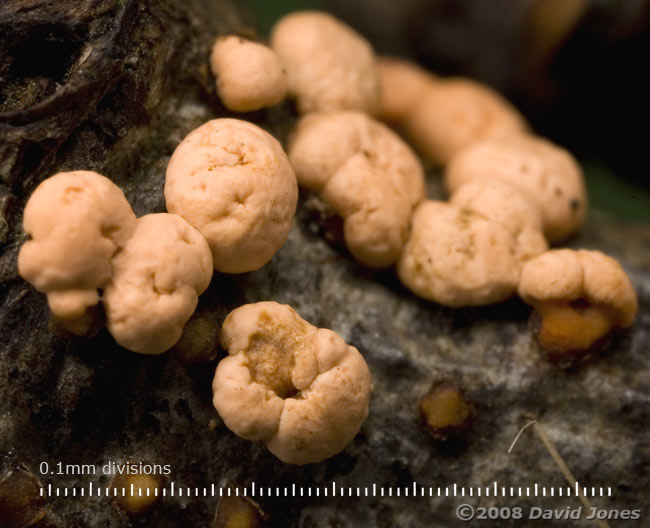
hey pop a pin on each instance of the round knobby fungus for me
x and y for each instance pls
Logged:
(546, 173)
(299, 389)
(249, 74)
(157, 279)
(77, 222)
(329, 66)
(403, 84)
(85, 237)
(459, 257)
(366, 174)
(453, 114)
(500, 202)
(232, 181)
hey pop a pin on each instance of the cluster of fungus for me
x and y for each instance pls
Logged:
(232, 195)
(509, 190)
(86, 244)
(511, 193)
(313, 57)
(231, 192)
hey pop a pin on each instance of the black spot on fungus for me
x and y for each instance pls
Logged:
(574, 204)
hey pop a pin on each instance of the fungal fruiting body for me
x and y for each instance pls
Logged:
(328, 65)
(403, 84)
(455, 113)
(157, 279)
(232, 181)
(86, 238)
(236, 511)
(445, 411)
(580, 298)
(299, 389)
(136, 493)
(249, 74)
(443, 116)
(366, 174)
(471, 251)
(546, 173)
(77, 222)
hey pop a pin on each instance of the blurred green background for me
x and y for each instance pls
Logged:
(447, 37)
(267, 12)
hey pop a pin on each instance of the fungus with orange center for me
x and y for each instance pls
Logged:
(445, 410)
(580, 298)
(299, 389)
